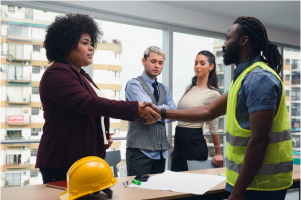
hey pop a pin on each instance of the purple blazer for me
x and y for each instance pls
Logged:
(72, 112)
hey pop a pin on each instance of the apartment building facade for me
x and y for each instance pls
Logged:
(23, 62)
(291, 81)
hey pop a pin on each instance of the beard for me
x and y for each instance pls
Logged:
(232, 53)
(149, 72)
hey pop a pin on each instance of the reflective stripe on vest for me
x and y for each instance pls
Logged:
(265, 169)
(275, 172)
(275, 137)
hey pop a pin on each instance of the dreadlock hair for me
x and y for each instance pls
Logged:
(255, 30)
(212, 79)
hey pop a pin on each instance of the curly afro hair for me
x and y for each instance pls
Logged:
(64, 33)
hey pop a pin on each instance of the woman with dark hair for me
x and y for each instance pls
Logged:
(76, 112)
(189, 142)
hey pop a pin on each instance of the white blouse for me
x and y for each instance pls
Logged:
(101, 94)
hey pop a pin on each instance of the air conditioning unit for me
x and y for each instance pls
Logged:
(24, 63)
(23, 148)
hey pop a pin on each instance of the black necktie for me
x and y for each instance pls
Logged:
(156, 94)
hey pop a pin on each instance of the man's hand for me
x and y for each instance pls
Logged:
(171, 154)
(110, 141)
(218, 160)
(146, 115)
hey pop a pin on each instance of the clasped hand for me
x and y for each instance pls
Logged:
(148, 113)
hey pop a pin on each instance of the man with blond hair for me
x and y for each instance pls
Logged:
(147, 145)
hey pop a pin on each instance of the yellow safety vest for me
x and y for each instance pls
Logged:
(275, 172)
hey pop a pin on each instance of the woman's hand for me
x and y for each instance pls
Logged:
(147, 115)
(110, 141)
(218, 160)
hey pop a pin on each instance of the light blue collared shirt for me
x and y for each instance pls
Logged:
(135, 92)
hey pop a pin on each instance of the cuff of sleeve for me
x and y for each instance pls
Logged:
(130, 111)
(262, 107)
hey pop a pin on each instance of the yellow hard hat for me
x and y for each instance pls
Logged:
(86, 176)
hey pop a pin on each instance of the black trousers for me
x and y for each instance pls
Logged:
(190, 144)
(138, 163)
(54, 174)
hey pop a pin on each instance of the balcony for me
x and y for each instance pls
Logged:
(295, 65)
(19, 38)
(13, 58)
(18, 100)
(296, 79)
(111, 41)
(18, 120)
(17, 145)
(15, 161)
(14, 138)
(19, 52)
(17, 166)
(23, 78)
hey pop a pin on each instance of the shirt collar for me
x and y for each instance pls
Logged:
(147, 79)
(244, 65)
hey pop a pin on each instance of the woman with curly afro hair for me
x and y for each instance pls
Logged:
(76, 112)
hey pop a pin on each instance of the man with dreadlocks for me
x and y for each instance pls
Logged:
(259, 160)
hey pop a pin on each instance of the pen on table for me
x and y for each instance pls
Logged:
(125, 183)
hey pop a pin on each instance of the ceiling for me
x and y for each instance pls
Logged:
(278, 14)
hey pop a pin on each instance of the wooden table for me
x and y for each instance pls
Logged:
(41, 192)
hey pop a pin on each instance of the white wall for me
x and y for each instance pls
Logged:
(105, 77)
(105, 57)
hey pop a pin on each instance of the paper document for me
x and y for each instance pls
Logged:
(181, 182)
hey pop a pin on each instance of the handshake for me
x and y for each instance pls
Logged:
(148, 113)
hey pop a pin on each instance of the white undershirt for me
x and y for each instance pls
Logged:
(101, 94)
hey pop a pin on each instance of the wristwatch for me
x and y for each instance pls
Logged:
(163, 114)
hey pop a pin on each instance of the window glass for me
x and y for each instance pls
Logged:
(287, 92)
(11, 9)
(28, 13)
(33, 152)
(287, 77)
(33, 173)
(13, 179)
(35, 111)
(18, 30)
(35, 90)
(36, 48)
(295, 64)
(287, 61)
(35, 69)
(185, 48)
(130, 42)
(13, 134)
(35, 131)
